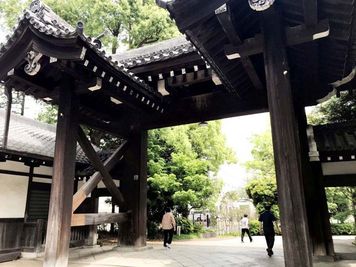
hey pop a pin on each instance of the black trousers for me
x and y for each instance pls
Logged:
(270, 240)
(167, 235)
(243, 231)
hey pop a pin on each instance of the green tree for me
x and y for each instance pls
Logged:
(132, 22)
(262, 165)
(262, 189)
(336, 109)
(263, 192)
(182, 166)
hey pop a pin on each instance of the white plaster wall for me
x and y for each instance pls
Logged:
(13, 190)
(341, 167)
(14, 166)
(43, 170)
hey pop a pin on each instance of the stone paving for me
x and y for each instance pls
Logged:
(207, 252)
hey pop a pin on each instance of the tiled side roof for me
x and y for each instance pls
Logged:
(32, 137)
(335, 137)
(160, 51)
(44, 20)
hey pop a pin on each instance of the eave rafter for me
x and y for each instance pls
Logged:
(223, 14)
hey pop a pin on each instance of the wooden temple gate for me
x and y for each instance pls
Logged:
(242, 57)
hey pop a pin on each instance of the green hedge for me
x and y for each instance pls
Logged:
(342, 229)
(254, 227)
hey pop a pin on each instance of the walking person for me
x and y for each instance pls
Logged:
(267, 218)
(244, 224)
(168, 226)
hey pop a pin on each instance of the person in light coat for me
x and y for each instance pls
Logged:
(168, 225)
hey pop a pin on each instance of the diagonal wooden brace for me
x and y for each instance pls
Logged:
(101, 174)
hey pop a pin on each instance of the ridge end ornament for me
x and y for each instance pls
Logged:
(33, 66)
(260, 5)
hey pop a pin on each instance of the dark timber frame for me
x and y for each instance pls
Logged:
(286, 57)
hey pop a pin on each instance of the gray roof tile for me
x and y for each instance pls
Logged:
(160, 51)
(32, 137)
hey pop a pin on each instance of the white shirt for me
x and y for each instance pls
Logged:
(244, 223)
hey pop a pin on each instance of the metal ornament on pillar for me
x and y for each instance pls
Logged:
(260, 5)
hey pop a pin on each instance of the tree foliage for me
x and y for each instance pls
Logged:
(182, 166)
(262, 189)
(336, 109)
(341, 201)
(131, 22)
(262, 165)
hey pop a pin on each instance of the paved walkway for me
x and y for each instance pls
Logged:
(209, 252)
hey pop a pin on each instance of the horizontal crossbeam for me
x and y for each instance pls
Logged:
(294, 35)
(98, 218)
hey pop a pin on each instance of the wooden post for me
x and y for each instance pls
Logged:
(60, 207)
(8, 93)
(134, 189)
(324, 245)
(286, 144)
(92, 239)
(315, 198)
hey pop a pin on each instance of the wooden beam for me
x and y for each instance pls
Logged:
(60, 206)
(211, 106)
(98, 218)
(223, 14)
(286, 144)
(89, 186)
(8, 93)
(155, 68)
(186, 12)
(310, 12)
(340, 180)
(294, 35)
(98, 165)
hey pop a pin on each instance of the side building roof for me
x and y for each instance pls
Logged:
(333, 142)
(156, 52)
(32, 138)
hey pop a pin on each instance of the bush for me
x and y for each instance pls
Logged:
(254, 227)
(187, 226)
(198, 227)
(342, 228)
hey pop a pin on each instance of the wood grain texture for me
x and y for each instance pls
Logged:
(286, 145)
(97, 218)
(60, 209)
(98, 165)
(134, 188)
(89, 186)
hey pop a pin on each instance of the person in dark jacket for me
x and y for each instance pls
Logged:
(267, 218)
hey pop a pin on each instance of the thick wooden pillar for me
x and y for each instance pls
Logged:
(286, 144)
(60, 207)
(323, 244)
(133, 185)
(315, 197)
